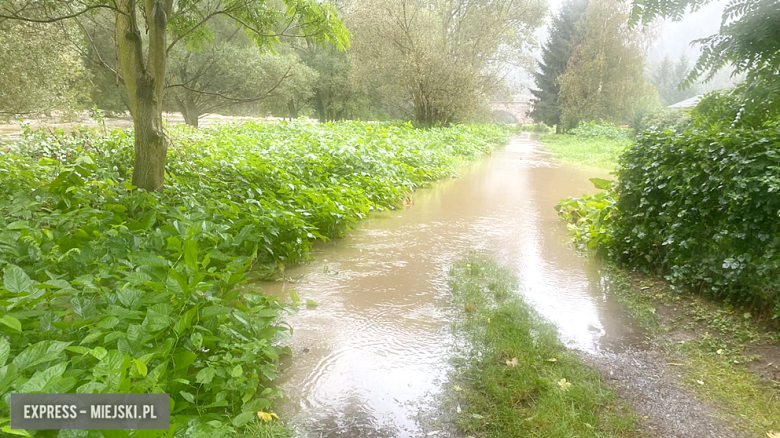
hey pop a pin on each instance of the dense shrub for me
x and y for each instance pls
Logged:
(676, 120)
(751, 104)
(590, 217)
(702, 207)
(600, 130)
(106, 288)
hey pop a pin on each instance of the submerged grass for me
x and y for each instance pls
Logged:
(519, 379)
(596, 152)
(712, 345)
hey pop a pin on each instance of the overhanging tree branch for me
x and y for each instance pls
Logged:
(235, 100)
(14, 15)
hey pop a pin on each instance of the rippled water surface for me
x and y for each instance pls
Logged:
(375, 351)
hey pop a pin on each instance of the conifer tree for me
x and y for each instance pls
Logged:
(555, 57)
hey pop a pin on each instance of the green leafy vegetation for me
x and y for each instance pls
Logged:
(745, 39)
(519, 379)
(602, 129)
(751, 104)
(589, 218)
(701, 208)
(108, 288)
(676, 120)
(698, 207)
(141, 64)
(541, 128)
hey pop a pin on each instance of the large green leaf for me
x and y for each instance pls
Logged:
(243, 418)
(12, 322)
(601, 184)
(191, 253)
(41, 352)
(5, 350)
(41, 381)
(17, 281)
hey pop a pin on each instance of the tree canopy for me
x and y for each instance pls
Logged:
(227, 72)
(40, 70)
(748, 38)
(146, 31)
(604, 78)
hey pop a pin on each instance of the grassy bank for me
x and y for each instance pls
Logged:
(519, 380)
(595, 152)
(725, 354)
(106, 288)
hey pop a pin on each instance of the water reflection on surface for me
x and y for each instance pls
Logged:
(376, 348)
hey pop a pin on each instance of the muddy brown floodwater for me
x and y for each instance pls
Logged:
(376, 350)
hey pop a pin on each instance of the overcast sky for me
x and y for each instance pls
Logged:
(674, 40)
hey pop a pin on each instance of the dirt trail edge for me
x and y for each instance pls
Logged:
(649, 384)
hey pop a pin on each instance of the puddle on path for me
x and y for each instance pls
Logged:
(377, 346)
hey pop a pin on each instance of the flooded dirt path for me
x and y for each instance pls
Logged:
(376, 348)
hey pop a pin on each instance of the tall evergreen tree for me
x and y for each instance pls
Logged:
(555, 57)
(667, 78)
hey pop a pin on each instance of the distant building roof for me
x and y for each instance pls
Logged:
(687, 103)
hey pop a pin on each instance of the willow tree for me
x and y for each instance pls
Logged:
(147, 30)
(444, 57)
(230, 74)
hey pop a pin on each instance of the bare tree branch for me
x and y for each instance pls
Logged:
(235, 100)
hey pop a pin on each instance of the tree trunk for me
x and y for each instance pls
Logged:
(144, 79)
(292, 109)
(319, 105)
(190, 113)
(150, 146)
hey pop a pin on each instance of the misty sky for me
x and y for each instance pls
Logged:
(674, 40)
(675, 37)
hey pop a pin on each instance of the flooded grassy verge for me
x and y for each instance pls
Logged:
(518, 379)
(597, 152)
(724, 354)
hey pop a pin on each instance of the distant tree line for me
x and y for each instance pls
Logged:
(593, 62)
(433, 62)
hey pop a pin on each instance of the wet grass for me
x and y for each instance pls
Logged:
(518, 379)
(595, 153)
(713, 346)
(268, 430)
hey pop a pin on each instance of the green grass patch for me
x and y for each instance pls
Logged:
(749, 400)
(519, 379)
(105, 288)
(596, 152)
